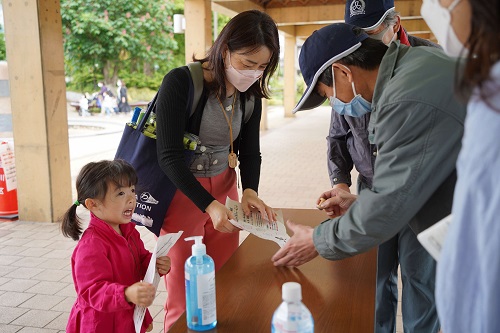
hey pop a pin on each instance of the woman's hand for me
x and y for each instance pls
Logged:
(220, 216)
(251, 200)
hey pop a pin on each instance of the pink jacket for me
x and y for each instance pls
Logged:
(103, 265)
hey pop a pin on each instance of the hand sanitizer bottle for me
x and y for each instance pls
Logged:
(199, 272)
(292, 316)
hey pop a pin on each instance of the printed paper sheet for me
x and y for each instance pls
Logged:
(257, 226)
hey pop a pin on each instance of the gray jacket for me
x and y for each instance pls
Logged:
(417, 124)
(348, 145)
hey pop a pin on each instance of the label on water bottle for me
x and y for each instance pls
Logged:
(206, 297)
(292, 318)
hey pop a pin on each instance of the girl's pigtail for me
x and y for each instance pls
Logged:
(71, 224)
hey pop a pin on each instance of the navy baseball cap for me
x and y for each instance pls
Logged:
(367, 14)
(320, 50)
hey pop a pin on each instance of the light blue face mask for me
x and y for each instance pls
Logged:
(357, 107)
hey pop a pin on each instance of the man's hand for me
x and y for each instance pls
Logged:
(299, 249)
(336, 201)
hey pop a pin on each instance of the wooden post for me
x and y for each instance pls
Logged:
(33, 34)
(198, 34)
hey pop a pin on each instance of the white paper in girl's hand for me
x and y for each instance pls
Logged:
(163, 245)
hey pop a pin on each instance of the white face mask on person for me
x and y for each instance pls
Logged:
(438, 18)
(380, 35)
(357, 107)
(241, 79)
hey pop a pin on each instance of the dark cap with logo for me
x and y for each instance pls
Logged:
(367, 14)
(320, 50)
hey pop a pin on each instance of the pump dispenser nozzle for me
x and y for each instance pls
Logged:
(198, 248)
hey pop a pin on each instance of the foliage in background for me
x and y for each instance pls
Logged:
(221, 22)
(2, 44)
(108, 39)
(131, 40)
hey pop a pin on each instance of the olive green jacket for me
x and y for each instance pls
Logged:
(417, 124)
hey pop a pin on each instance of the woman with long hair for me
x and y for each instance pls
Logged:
(236, 72)
(468, 272)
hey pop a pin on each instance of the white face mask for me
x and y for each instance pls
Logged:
(380, 35)
(438, 19)
(241, 79)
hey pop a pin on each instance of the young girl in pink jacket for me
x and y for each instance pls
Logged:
(110, 260)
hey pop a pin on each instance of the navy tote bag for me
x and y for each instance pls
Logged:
(154, 190)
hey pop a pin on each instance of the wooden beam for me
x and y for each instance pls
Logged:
(307, 14)
(300, 15)
(415, 24)
(412, 26)
(304, 31)
(231, 8)
(408, 8)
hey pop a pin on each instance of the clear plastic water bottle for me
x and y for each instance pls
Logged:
(292, 316)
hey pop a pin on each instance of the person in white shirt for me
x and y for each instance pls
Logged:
(468, 271)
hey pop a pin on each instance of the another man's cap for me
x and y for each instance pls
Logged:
(320, 50)
(367, 14)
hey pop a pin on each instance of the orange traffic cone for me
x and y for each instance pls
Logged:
(8, 195)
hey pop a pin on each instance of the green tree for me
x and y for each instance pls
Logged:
(2, 44)
(106, 37)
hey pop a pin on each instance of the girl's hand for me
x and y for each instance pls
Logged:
(140, 293)
(163, 265)
(150, 328)
(251, 200)
(220, 216)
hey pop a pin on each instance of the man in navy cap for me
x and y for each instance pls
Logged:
(416, 124)
(348, 146)
(381, 21)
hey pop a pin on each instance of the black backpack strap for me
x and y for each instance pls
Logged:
(247, 107)
(196, 72)
(194, 122)
(198, 97)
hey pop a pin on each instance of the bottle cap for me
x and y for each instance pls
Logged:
(135, 115)
(198, 249)
(291, 292)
